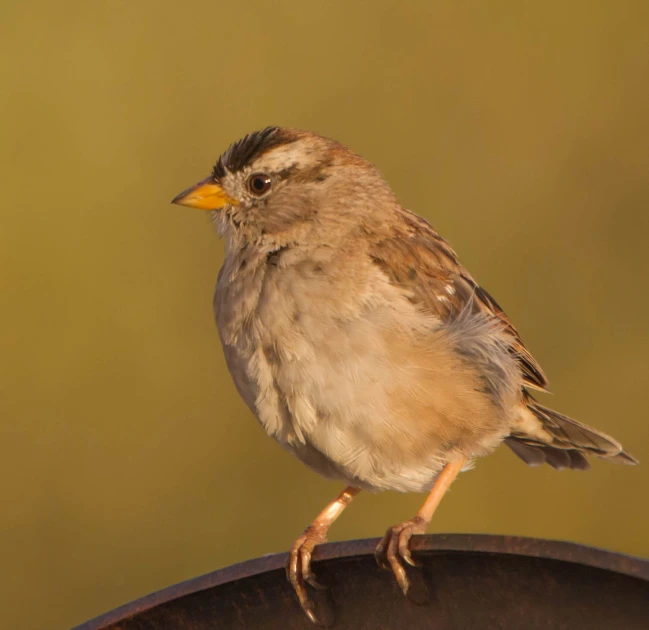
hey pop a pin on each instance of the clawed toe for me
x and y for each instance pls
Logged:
(394, 550)
(310, 579)
(298, 570)
(298, 564)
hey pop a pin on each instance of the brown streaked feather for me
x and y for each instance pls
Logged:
(417, 259)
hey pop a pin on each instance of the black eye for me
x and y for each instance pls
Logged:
(259, 183)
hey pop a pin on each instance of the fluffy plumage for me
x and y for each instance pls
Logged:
(360, 342)
(355, 335)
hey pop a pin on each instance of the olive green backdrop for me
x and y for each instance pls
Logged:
(127, 460)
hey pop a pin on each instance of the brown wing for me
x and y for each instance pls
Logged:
(416, 258)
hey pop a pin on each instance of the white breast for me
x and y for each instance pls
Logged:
(316, 357)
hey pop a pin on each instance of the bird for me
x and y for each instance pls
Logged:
(359, 341)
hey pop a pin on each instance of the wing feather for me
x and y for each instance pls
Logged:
(417, 259)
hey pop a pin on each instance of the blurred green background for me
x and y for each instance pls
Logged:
(128, 461)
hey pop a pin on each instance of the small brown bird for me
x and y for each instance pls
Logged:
(359, 341)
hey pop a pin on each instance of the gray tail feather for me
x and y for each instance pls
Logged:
(570, 441)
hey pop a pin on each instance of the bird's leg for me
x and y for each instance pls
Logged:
(393, 550)
(298, 565)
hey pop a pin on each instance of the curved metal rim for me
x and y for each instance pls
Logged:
(473, 543)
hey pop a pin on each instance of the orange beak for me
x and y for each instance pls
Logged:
(206, 195)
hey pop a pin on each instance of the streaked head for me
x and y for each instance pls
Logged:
(271, 180)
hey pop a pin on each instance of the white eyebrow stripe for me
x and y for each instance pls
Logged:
(286, 156)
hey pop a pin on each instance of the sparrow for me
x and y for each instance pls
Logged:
(359, 341)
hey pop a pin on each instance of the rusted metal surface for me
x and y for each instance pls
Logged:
(465, 581)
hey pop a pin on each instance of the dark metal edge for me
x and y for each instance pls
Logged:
(477, 543)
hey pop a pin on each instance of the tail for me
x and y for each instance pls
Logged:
(546, 436)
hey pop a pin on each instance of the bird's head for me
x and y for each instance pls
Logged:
(284, 185)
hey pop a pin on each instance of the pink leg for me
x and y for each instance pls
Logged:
(298, 566)
(393, 550)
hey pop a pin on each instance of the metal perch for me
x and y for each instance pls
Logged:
(464, 581)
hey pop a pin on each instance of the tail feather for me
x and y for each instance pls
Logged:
(537, 455)
(561, 441)
(571, 433)
(624, 457)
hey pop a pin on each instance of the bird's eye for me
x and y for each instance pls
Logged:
(259, 183)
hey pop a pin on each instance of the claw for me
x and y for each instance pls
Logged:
(393, 550)
(298, 563)
(379, 553)
(310, 579)
(404, 549)
(298, 570)
(308, 575)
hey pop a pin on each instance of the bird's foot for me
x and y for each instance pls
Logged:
(298, 568)
(394, 550)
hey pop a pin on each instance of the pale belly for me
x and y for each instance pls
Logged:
(337, 412)
(358, 395)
